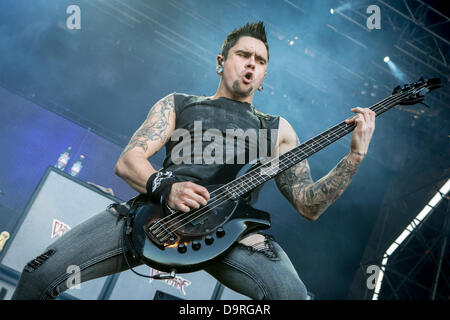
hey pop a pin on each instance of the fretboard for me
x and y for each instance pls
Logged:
(261, 174)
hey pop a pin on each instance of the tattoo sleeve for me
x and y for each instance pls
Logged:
(155, 127)
(312, 198)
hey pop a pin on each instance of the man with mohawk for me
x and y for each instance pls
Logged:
(256, 266)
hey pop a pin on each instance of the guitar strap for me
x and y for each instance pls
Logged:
(127, 212)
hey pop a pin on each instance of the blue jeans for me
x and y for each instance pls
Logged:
(260, 271)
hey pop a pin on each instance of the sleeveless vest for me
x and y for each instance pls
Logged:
(214, 139)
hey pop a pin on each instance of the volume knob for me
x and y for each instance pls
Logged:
(220, 232)
(182, 248)
(209, 240)
(196, 245)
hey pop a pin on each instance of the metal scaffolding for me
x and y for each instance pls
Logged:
(422, 42)
(419, 268)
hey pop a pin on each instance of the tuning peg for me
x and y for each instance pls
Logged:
(397, 89)
(434, 83)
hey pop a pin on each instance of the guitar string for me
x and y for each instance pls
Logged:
(378, 107)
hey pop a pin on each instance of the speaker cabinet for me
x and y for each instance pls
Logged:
(160, 295)
(59, 202)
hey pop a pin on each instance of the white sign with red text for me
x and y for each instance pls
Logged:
(178, 282)
(59, 228)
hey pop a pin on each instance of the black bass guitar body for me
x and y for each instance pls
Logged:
(186, 242)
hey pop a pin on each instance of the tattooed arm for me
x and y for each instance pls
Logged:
(133, 165)
(310, 198)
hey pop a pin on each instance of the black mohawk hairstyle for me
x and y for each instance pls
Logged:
(256, 30)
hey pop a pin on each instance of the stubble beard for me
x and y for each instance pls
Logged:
(237, 90)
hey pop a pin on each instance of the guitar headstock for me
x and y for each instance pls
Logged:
(415, 92)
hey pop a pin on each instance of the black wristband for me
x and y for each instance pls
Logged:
(159, 185)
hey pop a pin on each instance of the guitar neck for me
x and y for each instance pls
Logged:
(261, 174)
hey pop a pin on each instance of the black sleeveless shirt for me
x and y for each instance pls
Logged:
(215, 138)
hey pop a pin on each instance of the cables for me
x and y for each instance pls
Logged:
(127, 229)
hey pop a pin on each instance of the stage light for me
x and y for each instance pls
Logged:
(437, 197)
(332, 11)
(396, 71)
(291, 43)
(446, 188)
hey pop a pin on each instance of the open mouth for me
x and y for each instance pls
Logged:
(248, 77)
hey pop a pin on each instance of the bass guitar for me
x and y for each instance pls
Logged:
(174, 241)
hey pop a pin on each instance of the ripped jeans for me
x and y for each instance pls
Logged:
(260, 271)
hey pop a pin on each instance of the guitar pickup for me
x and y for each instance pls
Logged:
(160, 235)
